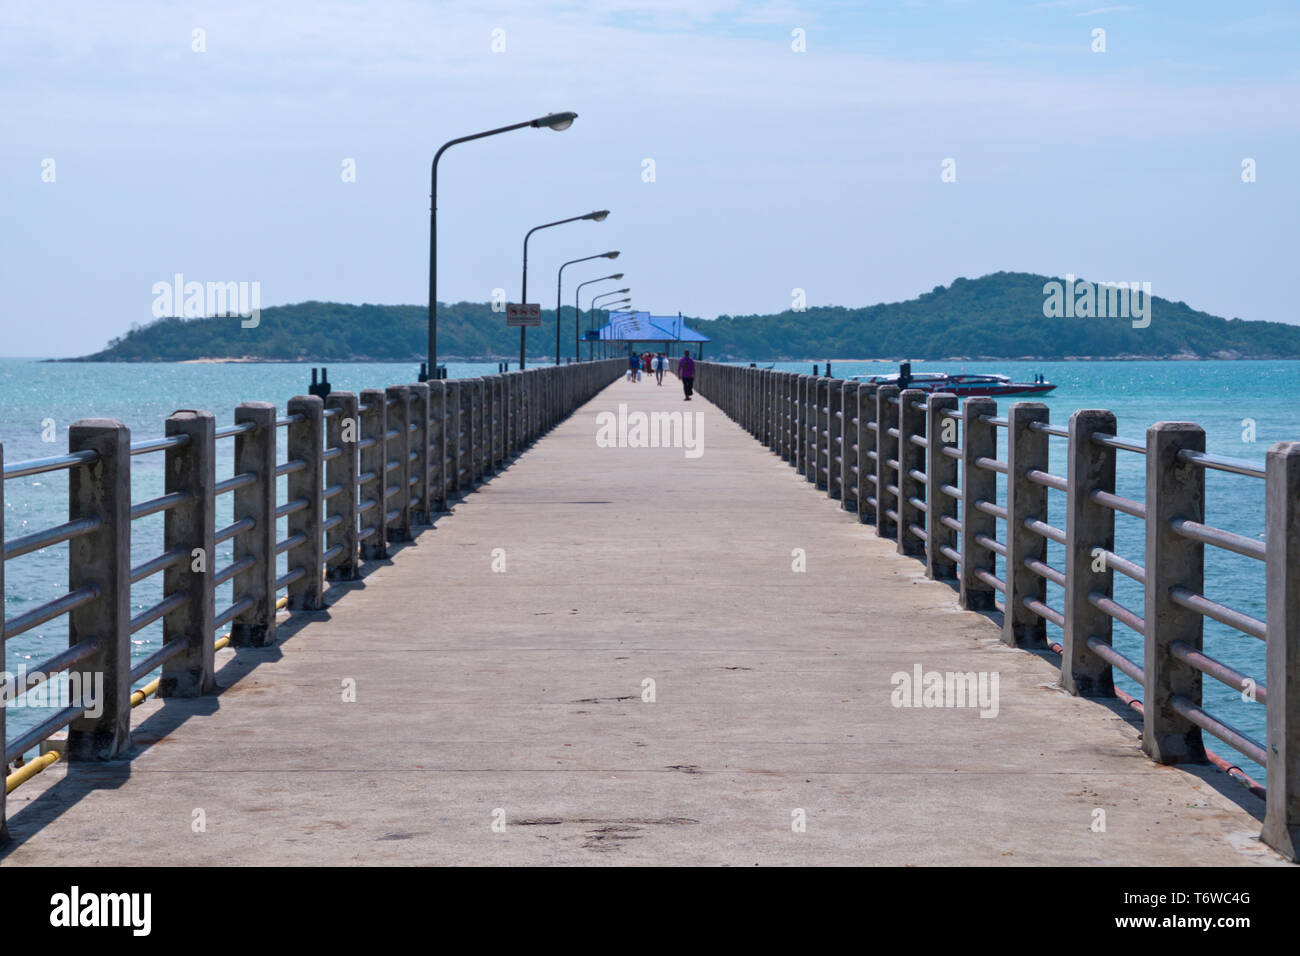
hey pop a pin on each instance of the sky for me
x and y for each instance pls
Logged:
(858, 152)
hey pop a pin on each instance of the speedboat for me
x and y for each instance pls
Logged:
(960, 384)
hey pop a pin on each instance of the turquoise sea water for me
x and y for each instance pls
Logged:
(1220, 396)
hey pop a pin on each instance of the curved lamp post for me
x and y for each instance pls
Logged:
(555, 121)
(558, 279)
(577, 312)
(603, 295)
(598, 216)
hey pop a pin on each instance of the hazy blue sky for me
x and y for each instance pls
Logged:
(775, 169)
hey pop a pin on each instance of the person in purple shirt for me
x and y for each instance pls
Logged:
(686, 372)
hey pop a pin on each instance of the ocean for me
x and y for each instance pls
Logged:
(1243, 406)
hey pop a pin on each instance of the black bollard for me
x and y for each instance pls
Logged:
(323, 387)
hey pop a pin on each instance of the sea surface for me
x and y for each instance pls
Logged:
(1243, 406)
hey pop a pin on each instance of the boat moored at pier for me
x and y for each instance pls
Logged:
(963, 384)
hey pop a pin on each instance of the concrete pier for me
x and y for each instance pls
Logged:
(629, 655)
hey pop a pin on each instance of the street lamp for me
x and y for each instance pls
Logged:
(577, 312)
(592, 309)
(576, 354)
(555, 121)
(598, 216)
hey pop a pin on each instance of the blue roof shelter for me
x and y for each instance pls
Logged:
(642, 328)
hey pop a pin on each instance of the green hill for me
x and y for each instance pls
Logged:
(995, 316)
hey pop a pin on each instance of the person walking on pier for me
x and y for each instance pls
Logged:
(661, 366)
(633, 367)
(686, 371)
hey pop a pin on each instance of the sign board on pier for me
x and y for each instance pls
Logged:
(527, 314)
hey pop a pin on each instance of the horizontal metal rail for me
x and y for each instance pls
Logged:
(168, 604)
(158, 658)
(58, 534)
(39, 466)
(234, 528)
(236, 481)
(1117, 503)
(1237, 466)
(1118, 611)
(1114, 658)
(1124, 444)
(1217, 669)
(161, 503)
(1227, 733)
(161, 563)
(1227, 540)
(1251, 626)
(147, 445)
(50, 610)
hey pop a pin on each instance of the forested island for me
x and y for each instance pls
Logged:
(999, 316)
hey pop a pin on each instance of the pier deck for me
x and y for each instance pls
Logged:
(522, 690)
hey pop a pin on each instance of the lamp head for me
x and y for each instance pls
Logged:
(611, 255)
(617, 275)
(597, 216)
(555, 121)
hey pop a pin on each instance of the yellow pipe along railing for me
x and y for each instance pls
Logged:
(24, 773)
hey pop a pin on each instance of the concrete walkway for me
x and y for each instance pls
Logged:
(484, 695)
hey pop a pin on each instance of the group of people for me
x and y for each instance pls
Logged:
(658, 363)
(646, 362)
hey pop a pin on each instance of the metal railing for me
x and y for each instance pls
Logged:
(925, 470)
(359, 475)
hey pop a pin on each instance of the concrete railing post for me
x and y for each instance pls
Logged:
(1026, 501)
(866, 453)
(372, 475)
(812, 429)
(500, 415)
(886, 462)
(835, 456)
(1088, 526)
(911, 458)
(979, 439)
(800, 424)
(468, 435)
(255, 454)
(451, 440)
(1282, 649)
(788, 416)
(849, 446)
(102, 560)
(781, 414)
(305, 442)
(421, 497)
(437, 448)
(190, 528)
(479, 439)
(824, 450)
(1175, 490)
(397, 468)
(341, 433)
(940, 472)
